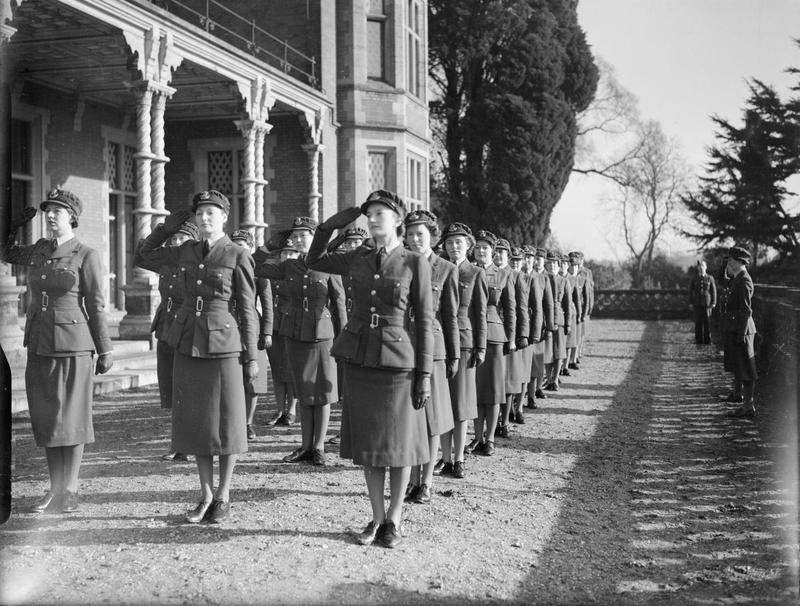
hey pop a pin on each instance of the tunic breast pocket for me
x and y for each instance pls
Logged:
(494, 295)
(221, 279)
(395, 291)
(223, 334)
(62, 278)
(70, 331)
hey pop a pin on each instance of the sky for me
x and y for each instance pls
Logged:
(685, 60)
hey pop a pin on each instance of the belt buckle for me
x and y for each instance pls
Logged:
(198, 304)
(169, 303)
(305, 303)
(374, 320)
(411, 314)
(349, 305)
(45, 300)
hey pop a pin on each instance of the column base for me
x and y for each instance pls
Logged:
(11, 334)
(141, 301)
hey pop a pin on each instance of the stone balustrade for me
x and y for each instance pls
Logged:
(660, 304)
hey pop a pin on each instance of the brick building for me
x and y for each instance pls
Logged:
(289, 107)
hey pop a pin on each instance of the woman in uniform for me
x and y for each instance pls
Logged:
(574, 298)
(561, 319)
(312, 299)
(387, 372)
(212, 349)
(541, 328)
(421, 229)
(65, 324)
(490, 376)
(472, 296)
(170, 288)
(259, 385)
(517, 363)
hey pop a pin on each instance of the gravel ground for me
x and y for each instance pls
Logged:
(629, 486)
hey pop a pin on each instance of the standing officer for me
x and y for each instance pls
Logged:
(65, 325)
(587, 310)
(575, 311)
(561, 318)
(313, 297)
(421, 228)
(501, 320)
(542, 327)
(517, 362)
(387, 370)
(740, 332)
(703, 299)
(472, 296)
(170, 287)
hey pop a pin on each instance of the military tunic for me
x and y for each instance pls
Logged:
(380, 426)
(740, 330)
(518, 361)
(65, 324)
(541, 325)
(574, 298)
(307, 322)
(561, 318)
(472, 297)
(208, 413)
(703, 299)
(501, 321)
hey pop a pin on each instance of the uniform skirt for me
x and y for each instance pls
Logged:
(490, 377)
(380, 427)
(515, 371)
(579, 330)
(740, 358)
(277, 359)
(312, 371)
(439, 411)
(59, 394)
(208, 407)
(260, 385)
(548, 348)
(462, 390)
(571, 339)
(537, 358)
(165, 357)
(559, 344)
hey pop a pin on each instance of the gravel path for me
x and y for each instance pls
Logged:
(629, 486)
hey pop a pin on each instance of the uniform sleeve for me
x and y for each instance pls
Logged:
(480, 298)
(244, 291)
(151, 254)
(565, 303)
(549, 305)
(448, 310)
(509, 302)
(320, 259)
(713, 286)
(591, 294)
(264, 292)
(271, 270)
(91, 285)
(16, 254)
(523, 311)
(422, 299)
(336, 295)
(743, 306)
(576, 297)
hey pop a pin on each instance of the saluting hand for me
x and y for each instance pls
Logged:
(28, 213)
(104, 363)
(250, 370)
(174, 221)
(452, 367)
(341, 219)
(422, 390)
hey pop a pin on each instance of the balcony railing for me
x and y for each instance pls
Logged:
(246, 34)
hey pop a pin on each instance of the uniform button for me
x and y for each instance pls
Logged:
(227, 326)
(373, 292)
(49, 261)
(44, 277)
(170, 285)
(197, 313)
(305, 285)
(372, 309)
(74, 321)
(201, 266)
(376, 276)
(199, 281)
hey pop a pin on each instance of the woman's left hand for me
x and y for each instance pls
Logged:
(104, 363)
(422, 390)
(251, 370)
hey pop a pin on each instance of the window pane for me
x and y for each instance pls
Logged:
(128, 168)
(376, 53)
(375, 7)
(377, 171)
(220, 171)
(20, 147)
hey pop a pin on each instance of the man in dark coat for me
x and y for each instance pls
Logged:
(703, 299)
(740, 331)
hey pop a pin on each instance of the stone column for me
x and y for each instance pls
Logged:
(158, 159)
(313, 150)
(254, 132)
(141, 294)
(261, 183)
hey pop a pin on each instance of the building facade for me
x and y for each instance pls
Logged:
(289, 108)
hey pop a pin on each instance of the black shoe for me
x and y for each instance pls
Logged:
(367, 536)
(49, 502)
(540, 394)
(423, 495)
(550, 387)
(198, 514)
(70, 502)
(388, 535)
(411, 493)
(288, 419)
(514, 417)
(217, 512)
(251, 435)
(297, 455)
(179, 456)
(334, 440)
(276, 419)
(470, 448)
(447, 469)
(437, 469)
(734, 399)
(574, 366)
(318, 457)
(170, 456)
(479, 449)
(743, 412)
(502, 432)
(458, 469)
(531, 403)
(488, 449)
(520, 419)
(565, 372)
(554, 387)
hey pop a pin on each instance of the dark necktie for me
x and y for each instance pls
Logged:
(206, 248)
(380, 257)
(53, 244)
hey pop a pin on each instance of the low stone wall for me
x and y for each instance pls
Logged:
(665, 304)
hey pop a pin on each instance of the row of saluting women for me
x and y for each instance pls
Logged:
(424, 345)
